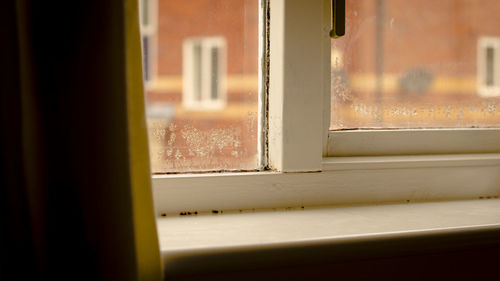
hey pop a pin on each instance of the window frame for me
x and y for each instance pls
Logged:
(303, 172)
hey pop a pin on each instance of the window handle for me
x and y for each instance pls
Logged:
(338, 18)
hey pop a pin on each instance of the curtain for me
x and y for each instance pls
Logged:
(75, 196)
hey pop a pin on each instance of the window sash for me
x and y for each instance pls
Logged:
(299, 91)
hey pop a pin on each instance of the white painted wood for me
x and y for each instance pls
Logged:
(220, 241)
(409, 162)
(257, 228)
(412, 142)
(297, 65)
(367, 180)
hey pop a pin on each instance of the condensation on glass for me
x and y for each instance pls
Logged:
(202, 88)
(417, 64)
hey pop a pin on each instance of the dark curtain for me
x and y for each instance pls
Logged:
(76, 201)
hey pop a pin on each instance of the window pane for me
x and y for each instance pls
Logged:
(202, 102)
(417, 64)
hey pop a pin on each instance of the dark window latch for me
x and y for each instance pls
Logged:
(338, 19)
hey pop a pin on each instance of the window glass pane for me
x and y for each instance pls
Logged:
(202, 102)
(417, 64)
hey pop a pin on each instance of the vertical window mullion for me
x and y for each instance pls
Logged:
(299, 78)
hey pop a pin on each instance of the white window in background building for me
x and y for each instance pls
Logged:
(149, 25)
(204, 72)
(488, 67)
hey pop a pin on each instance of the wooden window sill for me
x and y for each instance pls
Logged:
(239, 241)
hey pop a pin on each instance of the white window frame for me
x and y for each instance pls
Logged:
(189, 99)
(305, 171)
(482, 45)
(151, 32)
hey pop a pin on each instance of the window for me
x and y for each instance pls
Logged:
(204, 72)
(149, 24)
(488, 66)
(307, 167)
